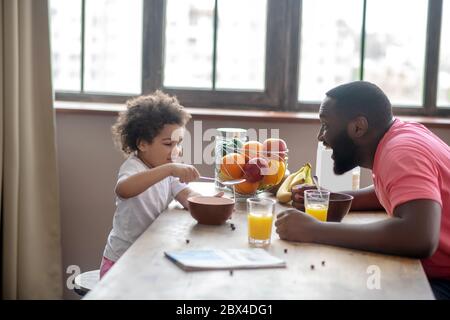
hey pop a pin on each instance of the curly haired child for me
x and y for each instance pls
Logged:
(149, 132)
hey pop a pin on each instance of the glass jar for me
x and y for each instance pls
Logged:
(228, 141)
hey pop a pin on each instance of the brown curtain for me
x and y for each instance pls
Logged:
(30, 224)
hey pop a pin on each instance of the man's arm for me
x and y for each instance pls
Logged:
(365, 200)
(414, 230)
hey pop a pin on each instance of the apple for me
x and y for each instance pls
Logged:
(252, 149)
(253, 168)
(275, 148)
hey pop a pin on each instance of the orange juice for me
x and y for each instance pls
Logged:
(318, 211)
(259, 226)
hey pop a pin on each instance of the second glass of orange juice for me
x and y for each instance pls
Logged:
(316, 203)
(260, 219)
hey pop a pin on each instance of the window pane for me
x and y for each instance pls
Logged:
(329, 47)
(395, 48)
(444, 56)
(188, 43)
(241, 44)
(113, 46)
(66, 44)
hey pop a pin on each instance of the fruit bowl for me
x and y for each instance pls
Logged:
(263, 165)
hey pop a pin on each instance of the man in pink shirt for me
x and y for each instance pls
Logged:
(411, 175)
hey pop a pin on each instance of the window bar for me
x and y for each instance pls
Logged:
(363, 41)
(214, 57)
(83, 16)
(154, 16)
(433, 37)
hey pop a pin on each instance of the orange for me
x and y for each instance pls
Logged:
(281, 171)
(277, 170)
(232, 165)
(272, 173)
(252, 149)
(222, 176)
(247, 187)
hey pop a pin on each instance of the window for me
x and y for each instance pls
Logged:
(97, 45)
(256, 54)
(244, 29)
(66, 44)
(395, 49)
(444, 65)
(392, 57)
(230, 56)
(330, 46)
(189, 44)
(113, 46)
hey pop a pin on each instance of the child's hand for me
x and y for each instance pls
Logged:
(185, 172)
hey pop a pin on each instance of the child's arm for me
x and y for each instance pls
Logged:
(183, 195)
(138, 183)
(413, 231)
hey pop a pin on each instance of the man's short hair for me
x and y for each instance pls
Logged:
(362, 98)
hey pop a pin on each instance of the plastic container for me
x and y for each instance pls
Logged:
(262, 169)
(228, 140)
(328, 179)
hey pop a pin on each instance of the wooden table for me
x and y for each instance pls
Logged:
(145, 273)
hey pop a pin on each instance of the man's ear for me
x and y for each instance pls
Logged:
(357, 127)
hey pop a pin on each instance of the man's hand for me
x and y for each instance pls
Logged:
(298, 193)
(295, 225)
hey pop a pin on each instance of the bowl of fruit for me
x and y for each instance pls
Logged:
(262, 165)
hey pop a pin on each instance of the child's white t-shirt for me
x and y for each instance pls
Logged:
(134, 215)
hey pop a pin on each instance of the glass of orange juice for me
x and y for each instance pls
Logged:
(260, 218)
(316, 203)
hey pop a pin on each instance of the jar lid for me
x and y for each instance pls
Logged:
(232, 132)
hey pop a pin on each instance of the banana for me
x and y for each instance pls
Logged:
(284, 192)
(283, 195)
(303, 175)
(308, 178)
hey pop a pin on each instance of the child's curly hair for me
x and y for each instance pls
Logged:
(144, 119)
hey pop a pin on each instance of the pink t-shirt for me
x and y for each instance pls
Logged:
(412, 163)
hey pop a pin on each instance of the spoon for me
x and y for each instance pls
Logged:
(225, 183)
(316, 182)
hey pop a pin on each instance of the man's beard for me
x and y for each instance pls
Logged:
(344, 153)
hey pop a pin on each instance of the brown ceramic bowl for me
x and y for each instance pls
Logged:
(338, 207)
(210, 210)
